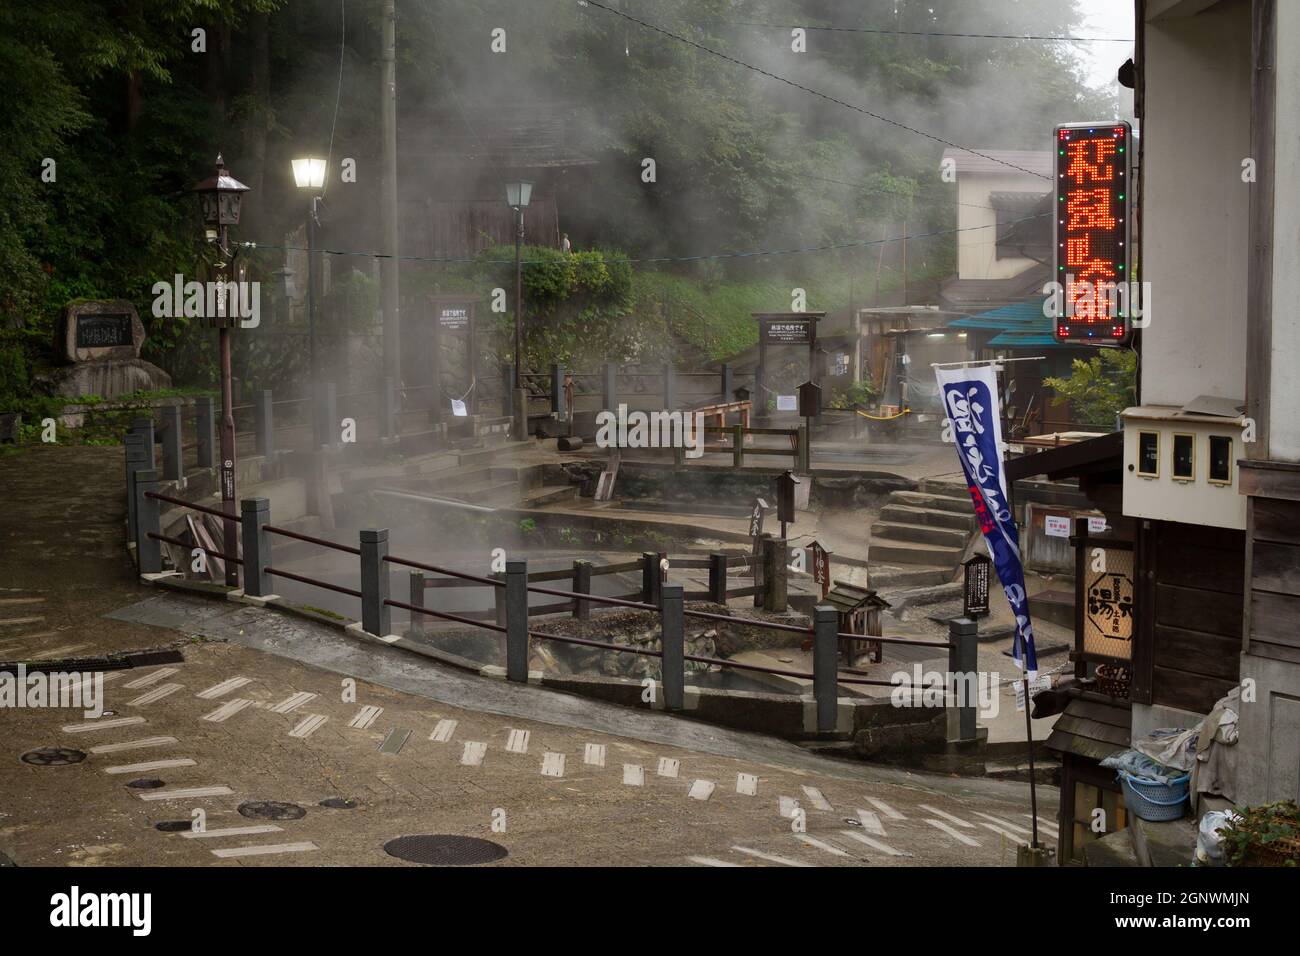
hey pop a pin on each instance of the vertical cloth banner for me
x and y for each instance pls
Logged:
(970, 401)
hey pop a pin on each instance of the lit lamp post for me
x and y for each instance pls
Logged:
(219, 199)
(518, 194)
(309, 174)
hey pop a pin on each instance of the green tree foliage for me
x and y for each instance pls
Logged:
(1100, 387)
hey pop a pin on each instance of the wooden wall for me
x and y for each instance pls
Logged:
(1275, 580)
(1190, 599)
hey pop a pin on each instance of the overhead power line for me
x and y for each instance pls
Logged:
(908, 33)
(807, 89)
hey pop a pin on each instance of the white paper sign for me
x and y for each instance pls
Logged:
(1036, 685)
(458, 408)
(1096, 525)
(1056, 527)
(787, 403)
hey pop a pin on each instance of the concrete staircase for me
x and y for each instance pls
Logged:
(930, 527)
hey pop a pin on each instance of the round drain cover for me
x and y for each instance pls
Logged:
(146, 783)
(445, 850)
(339, 803)
(53, 756)
(174, 826)
(271, 810)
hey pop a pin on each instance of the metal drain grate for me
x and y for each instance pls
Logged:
(53, 756)
(445, 850)
(339, 803)
(271, 810)
(146, 783)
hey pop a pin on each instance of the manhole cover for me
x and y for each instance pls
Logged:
(146, 783)
(339, 803)
(174, 826)
(445, 850)
(271, 810)
(53, 756)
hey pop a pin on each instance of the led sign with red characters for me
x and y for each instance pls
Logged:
(1092, 245)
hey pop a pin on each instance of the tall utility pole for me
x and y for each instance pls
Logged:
(388, 207)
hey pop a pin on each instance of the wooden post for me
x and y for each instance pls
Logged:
(718, 577)
(738, 446)
(581, 585)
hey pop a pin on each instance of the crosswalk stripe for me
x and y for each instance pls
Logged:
(747, 784)
(668, 767)
(633, 775)
(365, 717)
(473, 754)
(770, 857)
(1007, 824)
(155, 695)
(552, 764)
(308, 726)
(594, 755)
(960, 837)
(517, 742)
(27, 600)
(237, 851)
(101, 724)
(187, 793)
(884, 848)
(816, 799)
(220, 832)
(702, 790)
(293, 702)
(1003, 831)
(710, 861)
(227, 710)
(15, 621)
(871, 823)
(150, 765)
(151, 678)
(947, 816)
(813, 841)
(394, 741)
(133, 745)
(443, 731)
(886, 809)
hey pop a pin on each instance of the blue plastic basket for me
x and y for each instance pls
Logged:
(1152, 800)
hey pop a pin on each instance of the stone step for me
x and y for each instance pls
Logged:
(948, 489)
(907, 514)
(920, 499)
(470, 478)
(913, 552)
(883, 576)
(493, 453)
(496, 492)
(928, 534)
(916, 596)
(548, 494)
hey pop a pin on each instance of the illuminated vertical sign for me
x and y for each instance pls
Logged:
(1092, 248)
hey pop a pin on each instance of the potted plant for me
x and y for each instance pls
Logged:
(1267, 835)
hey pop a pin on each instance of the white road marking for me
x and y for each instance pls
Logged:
(293, 702)
(150, 765)
(633, 775)
(816, 799)
(473, 754)
(871, 823)
(133, 745)
(788, 805)
(746, 784)
(884, 848)
(155, 695)
(702, 789)
(960, 837)
(886, 809)
(947, 816)
(101, 724)
(230, 832)
(709, 861)
(517, 742)
(1006, 824)
(235, 851)
(1004, 832)
(308, 726)
(365, 717)
(594, 755)
(151, 678)
(187, 793)
(443, 731)
(55, 652)
(813, 841)
(21, 620)
(227, 710)
(770, 857)
(28, 600)
(552, 764)
(394, 741)
(668, 767)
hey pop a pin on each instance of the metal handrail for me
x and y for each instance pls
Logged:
(306, 580)
(186, 544)
(445, 615)
(190, 504)
(407, 562)
(310, 540)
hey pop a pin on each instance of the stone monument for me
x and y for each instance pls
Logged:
(101, 340)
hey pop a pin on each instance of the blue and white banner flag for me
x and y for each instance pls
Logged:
(970, 401)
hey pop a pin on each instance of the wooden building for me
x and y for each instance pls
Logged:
(859, 612)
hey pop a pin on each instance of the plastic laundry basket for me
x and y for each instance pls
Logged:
(1152, 800)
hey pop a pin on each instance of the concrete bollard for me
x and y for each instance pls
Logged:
(376, 615)
(718, 577)
(137, 459)
(144, 426)
(963, 673)
(416, 599)
(652, 578)
(173, 468)
(825, 664)
(581, 585)
(775, 573)
(254, 516)
(516, 620)
(205, 428)
(148, 550)
(673, 646)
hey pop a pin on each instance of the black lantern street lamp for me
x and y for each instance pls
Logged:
(220, 196)
(309, 175)
(518, 194)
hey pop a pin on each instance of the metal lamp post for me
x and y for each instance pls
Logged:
(518, 194)
(220, 196)
(309, 174)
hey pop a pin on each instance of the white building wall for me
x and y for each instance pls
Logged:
(977, 254)
(1196, 132)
